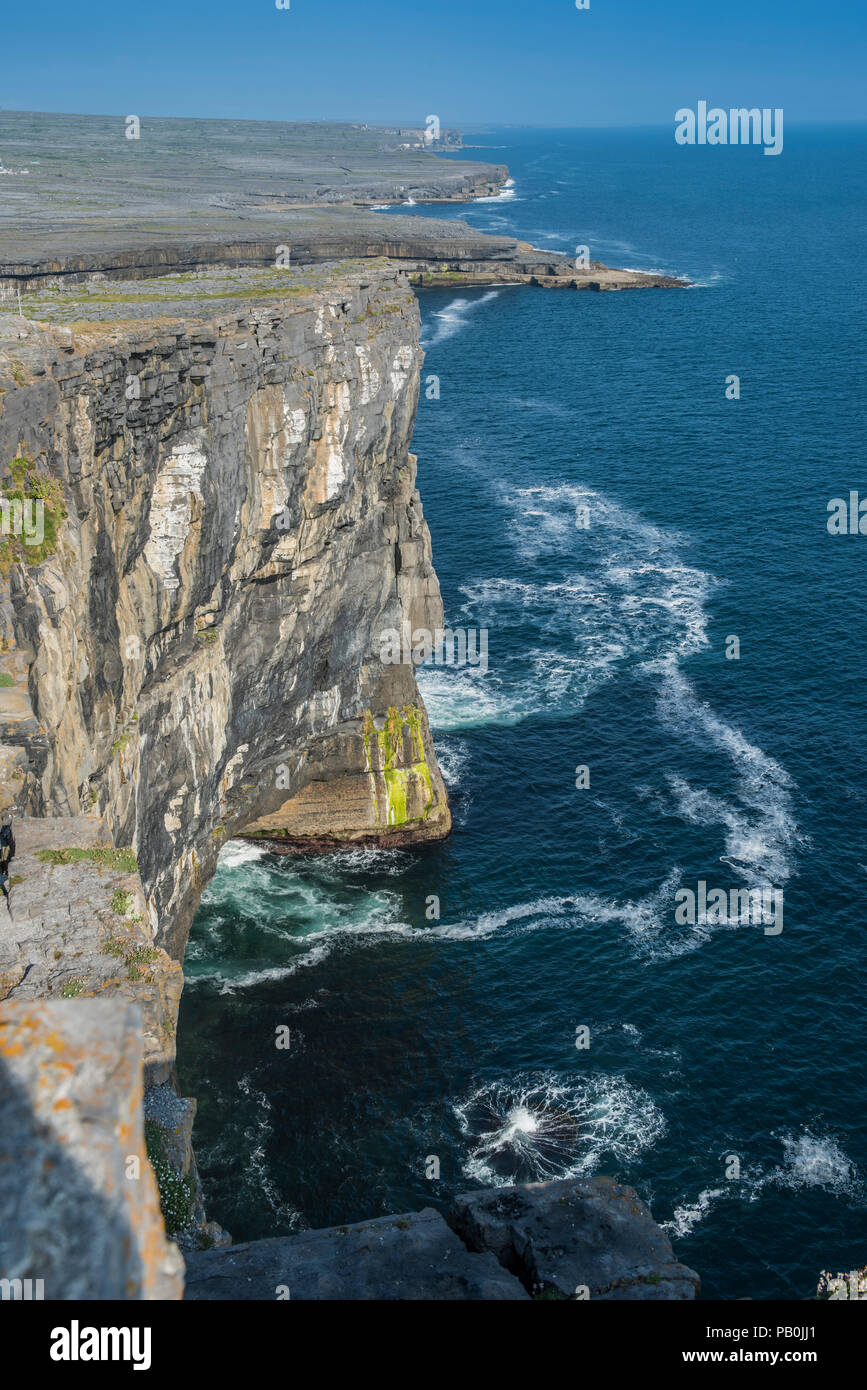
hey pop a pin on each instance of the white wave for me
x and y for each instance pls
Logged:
(460, 698)
(522, 916)
(248, 979)
(647, 922)
(455, 316)
(647, 270)
(810, 1161)
(542, 680)
(535, 1127)
(256, 1173)
(507, 195)
(761, 829)
(686, 1217)
(711, 281)
(605, 514)
(246, 1087)
(813, 1160)
(453, 756)
(364, 859)
(633, 598)
(237, 852)
(327, 923)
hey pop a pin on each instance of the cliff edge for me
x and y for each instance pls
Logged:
(230, 522)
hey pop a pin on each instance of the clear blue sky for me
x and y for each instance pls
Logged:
(518, 62)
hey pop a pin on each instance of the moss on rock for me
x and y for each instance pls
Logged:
(399, 778)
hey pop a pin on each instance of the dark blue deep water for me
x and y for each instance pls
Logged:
(707, 519)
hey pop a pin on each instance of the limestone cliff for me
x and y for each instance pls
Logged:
(210, 521)
(198, 654)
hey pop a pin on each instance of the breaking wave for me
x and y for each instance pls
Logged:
(506, 195)
(632, 602)
(537, 1127)
(810, 1161)
(455, 317)
(631, 599)
(761, 832)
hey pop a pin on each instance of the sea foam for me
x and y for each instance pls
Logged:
(540, 1126)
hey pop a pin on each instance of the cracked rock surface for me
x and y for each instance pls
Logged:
(589, 1234)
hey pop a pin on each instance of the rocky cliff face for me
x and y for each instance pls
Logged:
(198, 654)
(216, 523)
(50, 263)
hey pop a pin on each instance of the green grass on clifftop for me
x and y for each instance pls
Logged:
(122, 861)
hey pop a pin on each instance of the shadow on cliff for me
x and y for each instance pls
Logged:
(55, 1224)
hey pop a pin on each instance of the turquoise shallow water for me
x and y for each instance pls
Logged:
(456, 1038)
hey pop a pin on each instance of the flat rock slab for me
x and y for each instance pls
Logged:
(33, 833)
(562, 1238)
(393, 1257)
(70, 172)
(81, 928)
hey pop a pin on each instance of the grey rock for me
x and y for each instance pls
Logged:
(79, 1209)
(229, 193)
(559, 1237)
(410, 1257)
(209, 672)
(83, 928)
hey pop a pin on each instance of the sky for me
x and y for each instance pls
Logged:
(470, 62)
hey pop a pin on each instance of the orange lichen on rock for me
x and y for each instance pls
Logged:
(71, 1118)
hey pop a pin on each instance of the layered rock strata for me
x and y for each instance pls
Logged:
(202, 647)
(432, 252)
(190, 647)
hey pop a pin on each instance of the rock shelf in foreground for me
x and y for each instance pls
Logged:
(575, 1239)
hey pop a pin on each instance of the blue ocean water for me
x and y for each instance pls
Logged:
(456, 1038)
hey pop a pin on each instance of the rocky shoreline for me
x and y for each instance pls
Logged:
(218, 448)
(202, 195)
(432, 253)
